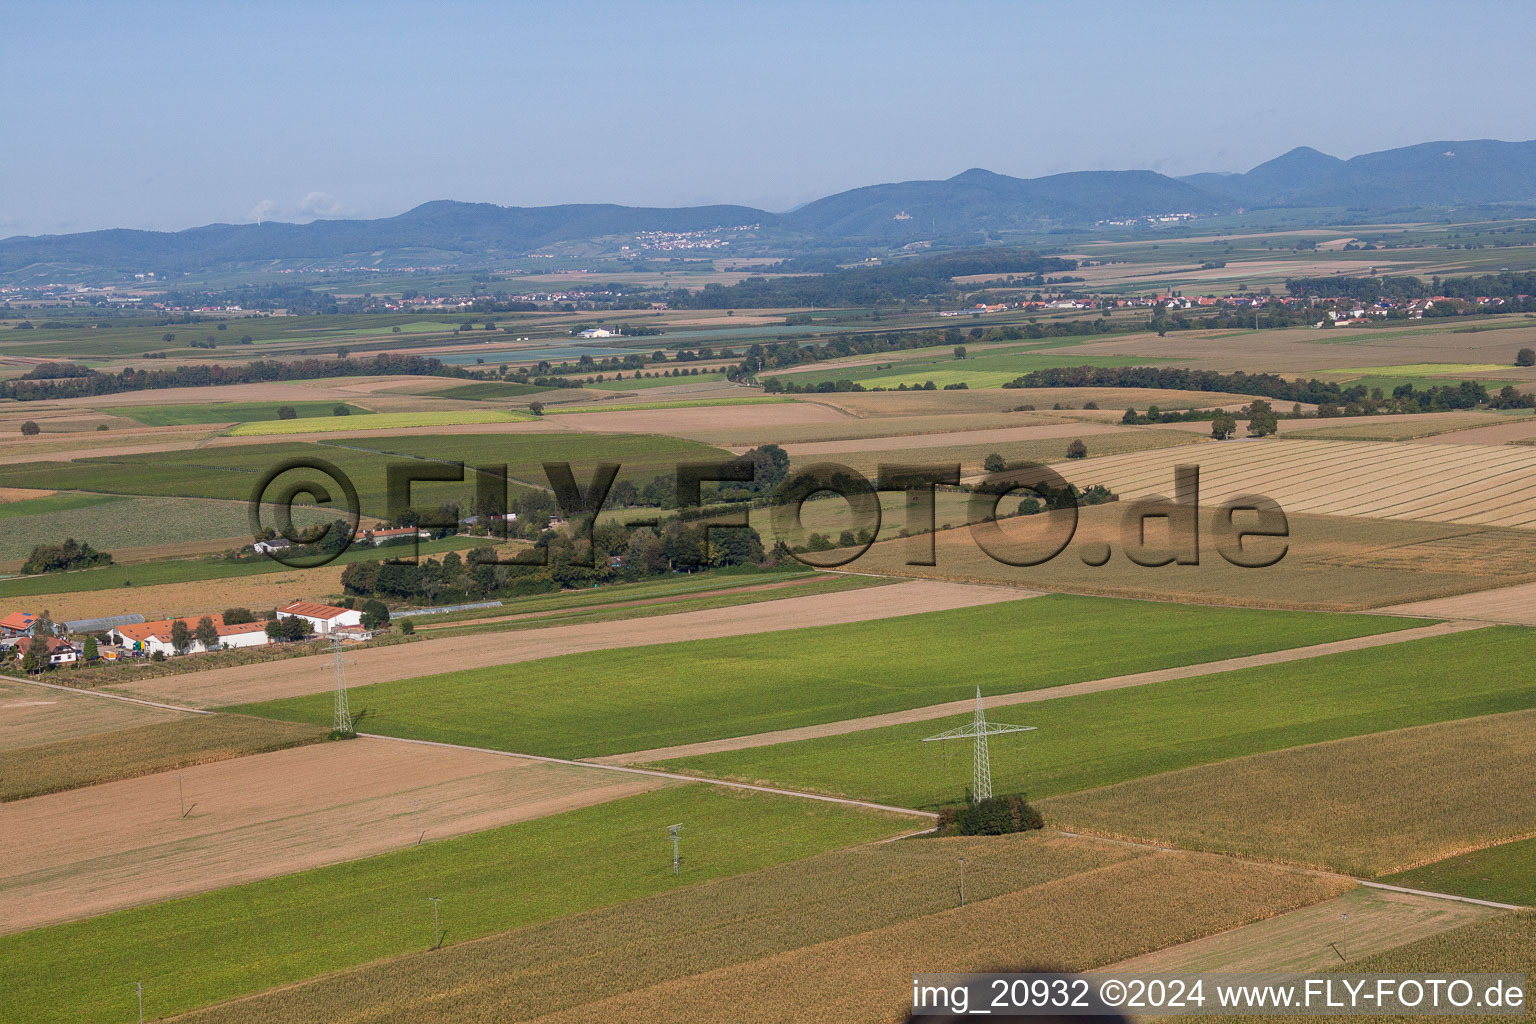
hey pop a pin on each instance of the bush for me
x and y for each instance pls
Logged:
(341, 410)
(375, 614)
(1077, 450)
(30, 429)
(994, 463)
(1525, 357)
(287, 412)
(238, 616)
(1000, 815)
(407, 627)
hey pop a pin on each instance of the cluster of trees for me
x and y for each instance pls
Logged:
(207, 375)
(615, 554)
(71, 554)
(996, 816)
(1355, 399)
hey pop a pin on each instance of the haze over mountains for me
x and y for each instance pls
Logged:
(971, 206)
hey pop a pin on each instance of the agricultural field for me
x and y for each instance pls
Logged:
(1314, 938)
(129, 526)
(488, 391)
(1090, 740)
(374, 421)
(1505, 873)
(1329, 562)
(218, 687)
(123, 843)
(327, 919)
(31, 716)
(230, 412)
(1344, 799)
(872, 900)
(1439, 483)
(231, 472)
(186, 740)
(610, 702)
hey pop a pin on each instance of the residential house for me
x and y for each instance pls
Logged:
(17, 624)
(323, 618)
(60, 652)
(272, 547)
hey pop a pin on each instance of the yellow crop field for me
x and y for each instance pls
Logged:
(1368, 805)
(376, 421)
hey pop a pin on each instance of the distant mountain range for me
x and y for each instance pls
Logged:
(971, 206)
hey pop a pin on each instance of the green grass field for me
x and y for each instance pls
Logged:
(112, 522)
(377, 421)
(231, 472)
(225, 412)
(1103, 738)
(609, 702)
(1504, 874)
(202, 949)
(194, 570)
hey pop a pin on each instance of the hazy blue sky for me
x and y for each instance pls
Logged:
(167, 115)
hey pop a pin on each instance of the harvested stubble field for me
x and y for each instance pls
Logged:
(1504, 874)
(1407, 428)
(1044, 444)
(1299, 940)
(1505, 944)
(1331, 562)
(257, 590)
(610, 702)
(1099, 739)
(1514, 605)
(196, 951)
(1072, 924)
(875, 901)
(1366, 805)
(32, 715)
(142, 750)
(127, 843)
(1442, 483)
(757, 423)
(1303, 351)
(928, 403)
(491, 651)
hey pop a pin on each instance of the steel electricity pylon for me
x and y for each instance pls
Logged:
(979, 730)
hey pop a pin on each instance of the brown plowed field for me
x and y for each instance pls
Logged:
(90, 851)
(291, 678)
